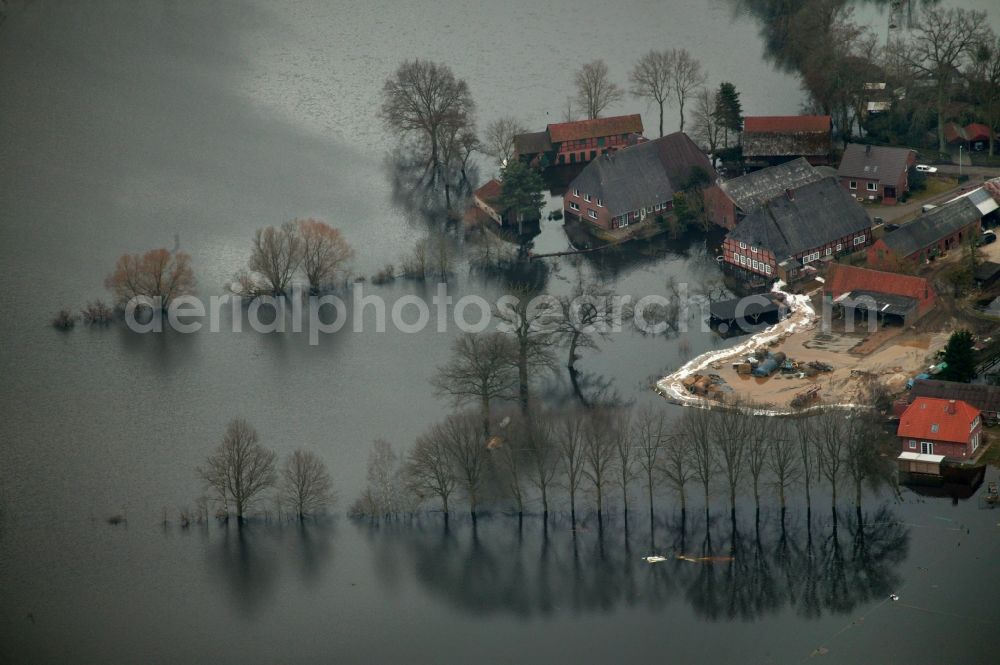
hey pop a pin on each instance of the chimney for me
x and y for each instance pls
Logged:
(789, 194)
(950, 409)
(868, 149)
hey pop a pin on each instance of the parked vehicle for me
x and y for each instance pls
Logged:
(928, 207)
(924, 168)
(987, 238)
(891, 227)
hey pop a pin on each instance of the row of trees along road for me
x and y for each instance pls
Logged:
(543, 455)
(241, 471)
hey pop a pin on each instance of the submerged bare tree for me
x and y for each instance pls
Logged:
(429, 470)
(534, 327)
(759, 434)
(325, 253)
(275, 256)
(685, 78)
(305, 484)
(650, 432)
(831, 435)
(240, 469)
(626, 454)
(481, 370)
(465, 444)
(158, 273)
(570, 440)
(426, 99)
(783, 460)
(696, 427)
(499, 139)
(587, 316)
(805, 431)
(594, 89)
(387, 493)
(678, 466)
(538, 430)
(730, 435)
(650, 78)
(598, 454)
(511, 449)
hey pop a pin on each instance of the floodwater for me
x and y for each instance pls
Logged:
(131, 125)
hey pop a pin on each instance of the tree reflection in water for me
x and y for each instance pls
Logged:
(724, 570)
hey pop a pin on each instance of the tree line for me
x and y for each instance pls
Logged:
(600, 457)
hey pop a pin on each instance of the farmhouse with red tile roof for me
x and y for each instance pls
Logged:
(932, 426)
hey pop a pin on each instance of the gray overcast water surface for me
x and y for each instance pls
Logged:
(126, 124)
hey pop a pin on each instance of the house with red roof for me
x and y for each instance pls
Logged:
(580, 141)
(775, 139)
(486, 199)
(975, 135)
(890, 297)
(948, 427)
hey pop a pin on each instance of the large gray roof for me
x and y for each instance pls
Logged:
(873, 162)
(752, 190)
(932, 226)
(644, 174)
(816, 214)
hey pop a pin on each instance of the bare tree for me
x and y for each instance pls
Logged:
(425, 98)
(240, 469)
(466, 446)
(512, 450)
(651, 77)
(729, 432)
(481, 370)
(275, 257)
(534, 328)
(942, 43)
(862, 455)
(598, 454)
(806, 434)
(707, 127)
(587, 316)
(499, 141)
(759, 435)
(540, 438)
(156, 274)
(678, 467)
(783, 461)
(650, 432)
(594, 90)
(685, 78)
(385, 490)
(305, 484)
(831, 436)
(324, 252)
(429, 469)
(569, 435)
(696, 427)
(626, 454)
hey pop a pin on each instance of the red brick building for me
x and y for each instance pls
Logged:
(578, 142)
(932, 426)
(876, 173)
(812, 223)
(943, 229)
(638, 183)
(737, 197)
(893, 295)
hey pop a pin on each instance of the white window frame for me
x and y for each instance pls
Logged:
(576, 193)
(829, 251)
(872, 186)
(586, 197)
(767, 268)
(913, 444)
(853, 184)
(753, 249)
(592, 213)
(573, 206)
(926, 447)
(840, 246)
(600, 203)
(743, 245)
(859, 240)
